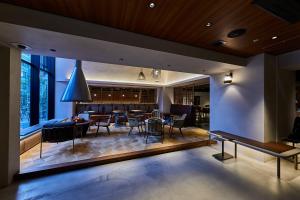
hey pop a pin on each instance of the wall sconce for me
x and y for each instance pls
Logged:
(228, 78)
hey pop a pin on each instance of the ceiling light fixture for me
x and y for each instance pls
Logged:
(219, 43)
(141, 76)
(21, 46)
(274, 37)
(77, 89)
(156, 74)
(208, 24)
(236, 33)
(228, 78)
(255, 40)
(152, 5)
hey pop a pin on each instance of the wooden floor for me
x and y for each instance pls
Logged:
(99, 147)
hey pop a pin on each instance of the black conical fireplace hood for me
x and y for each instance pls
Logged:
(77, 89)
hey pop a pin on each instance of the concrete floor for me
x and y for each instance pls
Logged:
(190, 174)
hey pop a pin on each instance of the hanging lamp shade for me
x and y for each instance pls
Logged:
(77, 89)
(141, 76)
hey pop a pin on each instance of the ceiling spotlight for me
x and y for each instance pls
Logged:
(109, 95)
(95, 95)
(21, 46)
(141, 76)
(255, 40)
(123, 95)
(274, 37)
(152, 5)
(135, 95)
(208, 24)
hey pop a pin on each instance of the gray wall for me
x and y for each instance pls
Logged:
(239, 107)
(259, 104)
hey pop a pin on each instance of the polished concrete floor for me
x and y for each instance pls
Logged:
(191, 174)
(102, 144)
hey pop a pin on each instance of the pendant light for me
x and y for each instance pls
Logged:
(77, 89)
(141, 76)
(156, 74)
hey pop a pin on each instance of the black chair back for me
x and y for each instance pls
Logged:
(296, 128)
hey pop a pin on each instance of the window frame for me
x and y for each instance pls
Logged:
(49, 68)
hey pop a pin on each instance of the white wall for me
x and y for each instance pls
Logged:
(238, 108)
(165, 98)
(10, 114)
(62, 68)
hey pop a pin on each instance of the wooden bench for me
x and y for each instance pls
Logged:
(277, 150)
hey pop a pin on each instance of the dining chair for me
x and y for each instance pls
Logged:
(104, 121)
(177, 123)
(155, 113)
(155, 128)
(133, 122)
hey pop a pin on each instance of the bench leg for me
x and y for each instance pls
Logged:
(222, 148)
(278, 167)
(235, 150)
(296, 162)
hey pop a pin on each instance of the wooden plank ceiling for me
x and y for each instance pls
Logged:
(184, 21)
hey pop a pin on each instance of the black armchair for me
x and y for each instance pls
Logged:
(56, 132)
(294, 137)
(177, 123)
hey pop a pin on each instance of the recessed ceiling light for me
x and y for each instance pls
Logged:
(53, 50)
(219, 43)
(21, 46)
(256, 40)
(152, 5)
(208, 24)
(274, 37)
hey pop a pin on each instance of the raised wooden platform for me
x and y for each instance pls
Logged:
(58, 168)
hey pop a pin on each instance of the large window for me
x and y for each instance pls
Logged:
(43, 96)
(25, 92)
(37, 89)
